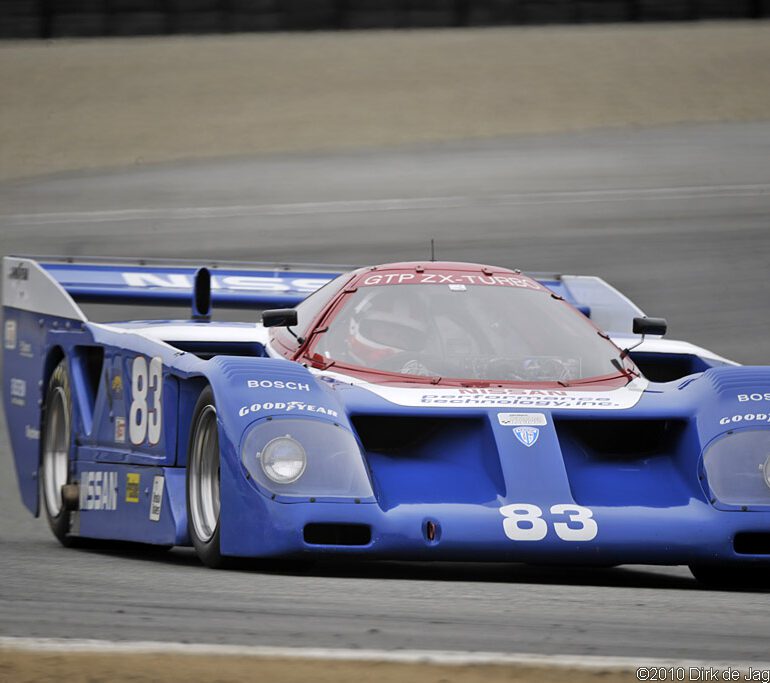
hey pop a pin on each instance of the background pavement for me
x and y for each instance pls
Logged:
(675, 217)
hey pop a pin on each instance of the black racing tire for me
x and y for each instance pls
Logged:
(56, 453)
(203, 483)
(732, 577)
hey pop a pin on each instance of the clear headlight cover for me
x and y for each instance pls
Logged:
(737, 467)
(333, 466)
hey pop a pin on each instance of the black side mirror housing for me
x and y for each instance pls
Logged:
(657, 326)
(201, 303)
(280, 317)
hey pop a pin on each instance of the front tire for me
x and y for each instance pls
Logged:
(203, 499)
(55, 452)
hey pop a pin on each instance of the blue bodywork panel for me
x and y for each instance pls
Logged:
(470, 475)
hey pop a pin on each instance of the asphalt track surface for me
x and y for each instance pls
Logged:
(678, 218)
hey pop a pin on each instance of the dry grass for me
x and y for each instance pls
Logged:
(29, 667)
(76, 104)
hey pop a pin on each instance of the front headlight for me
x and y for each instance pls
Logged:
(305, 458)
(738, 467)
(283, 460)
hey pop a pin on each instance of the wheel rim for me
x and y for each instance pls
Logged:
(56, 451)
(204, 475)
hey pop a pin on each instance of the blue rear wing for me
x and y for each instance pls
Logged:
(58, 285)
(233, 285)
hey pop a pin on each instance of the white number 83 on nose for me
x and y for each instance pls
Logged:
(524, 522)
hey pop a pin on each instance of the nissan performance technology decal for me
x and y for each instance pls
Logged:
(614, 399)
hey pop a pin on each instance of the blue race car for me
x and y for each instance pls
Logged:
(422, 411)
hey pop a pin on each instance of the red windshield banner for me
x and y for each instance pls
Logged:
(459, 279)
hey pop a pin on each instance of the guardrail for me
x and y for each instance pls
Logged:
(67, 18)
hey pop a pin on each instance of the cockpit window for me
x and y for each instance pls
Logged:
(488, 333)
(309, 310)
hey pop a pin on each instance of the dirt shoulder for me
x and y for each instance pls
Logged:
(83, 104)
(26, 667)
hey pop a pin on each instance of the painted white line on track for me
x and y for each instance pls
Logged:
(438, 657)
(394, 204)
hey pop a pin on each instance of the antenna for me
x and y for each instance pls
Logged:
(432, 249)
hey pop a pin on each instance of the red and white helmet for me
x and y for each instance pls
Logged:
(385, 324)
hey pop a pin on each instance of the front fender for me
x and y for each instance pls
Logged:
(247, 390)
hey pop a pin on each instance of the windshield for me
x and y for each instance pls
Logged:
(466, 332)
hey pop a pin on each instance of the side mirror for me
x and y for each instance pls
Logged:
(656, 326)
(280, 317)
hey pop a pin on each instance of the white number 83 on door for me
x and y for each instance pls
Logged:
(524, 522)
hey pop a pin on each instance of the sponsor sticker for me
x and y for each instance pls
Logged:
(98, 490)
(25, 349)
(132, 487)
(120, 430)
(743, 398)
(32, 433)
(521, 419)
(518, 281)
(288, 407)
(10, 334)
(18, 391)
(156, 501)
(18, 272)
(750, 417)
(527, 435)
(509, 397)
(117, 386)
(276, 384)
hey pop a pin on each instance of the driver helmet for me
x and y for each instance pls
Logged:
(387, 323)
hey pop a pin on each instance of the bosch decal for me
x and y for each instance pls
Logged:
(276, 384)
(743, 398)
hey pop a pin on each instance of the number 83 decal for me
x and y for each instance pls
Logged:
(524, 522)
(145, 417)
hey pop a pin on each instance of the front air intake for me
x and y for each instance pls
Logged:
(624, 463)
(337, 534)
(621, 439)
(752, 543)
(422, 460)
